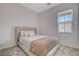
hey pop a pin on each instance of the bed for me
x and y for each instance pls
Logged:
(34, 44)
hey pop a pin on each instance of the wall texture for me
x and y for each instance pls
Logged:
(12, 15)
(48, 24)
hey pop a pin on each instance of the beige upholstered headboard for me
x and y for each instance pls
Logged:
(18, 29)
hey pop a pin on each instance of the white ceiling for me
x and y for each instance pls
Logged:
(39, 7)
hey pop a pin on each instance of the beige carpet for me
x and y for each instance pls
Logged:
(62, 51)
(67, 51)
(15, 51)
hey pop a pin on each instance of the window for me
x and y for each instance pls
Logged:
(65, 21)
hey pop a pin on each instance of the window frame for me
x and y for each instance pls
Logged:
(69, 10)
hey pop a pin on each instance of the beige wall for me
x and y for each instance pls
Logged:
(48, 24)
(12, 15)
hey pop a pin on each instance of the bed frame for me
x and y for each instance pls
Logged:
(17, 33)
(19, 29)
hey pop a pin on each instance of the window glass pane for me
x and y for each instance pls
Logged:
(68, 27)
(61, 27)
(61, 19)
(67, 18)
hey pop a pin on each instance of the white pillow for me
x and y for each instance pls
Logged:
(32, 33)
(22, 33)
(27, 33)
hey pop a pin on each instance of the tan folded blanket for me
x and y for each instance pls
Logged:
(41, 47)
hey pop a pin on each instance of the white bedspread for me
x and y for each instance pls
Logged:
(26, 41)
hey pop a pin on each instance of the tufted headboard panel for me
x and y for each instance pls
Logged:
(19, 29)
